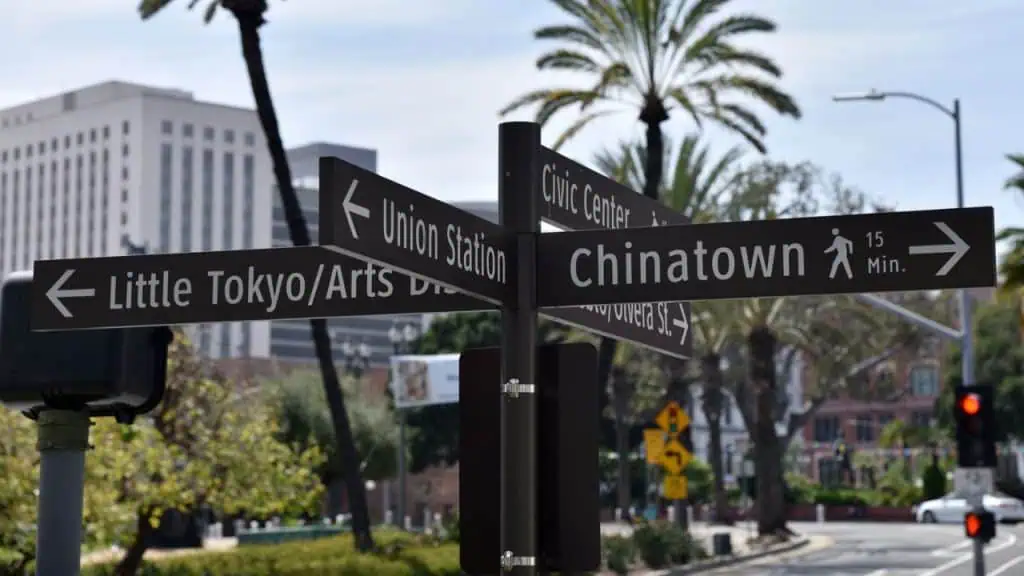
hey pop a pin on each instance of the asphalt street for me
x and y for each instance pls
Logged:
(862, 549)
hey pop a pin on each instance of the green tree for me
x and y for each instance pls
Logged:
(1012, 265)
(209, 442)
(435, 429)
(999, 358)
(250, 16)
(652, 56)
(19, 479)
(298, 401)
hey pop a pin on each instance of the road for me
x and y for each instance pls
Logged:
(861, 549)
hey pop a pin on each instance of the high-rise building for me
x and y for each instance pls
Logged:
(81, 171)
(290, 339)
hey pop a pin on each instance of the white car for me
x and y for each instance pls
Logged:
(952, 507)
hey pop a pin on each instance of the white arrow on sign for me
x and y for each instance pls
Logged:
(351, 208)
(957, 249)
(682, 323)
(57, 292)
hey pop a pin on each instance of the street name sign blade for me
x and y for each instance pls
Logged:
(862, 253)
(660, 326)
(367, 216)
(674, 487)
(230, 286)
(577, 197)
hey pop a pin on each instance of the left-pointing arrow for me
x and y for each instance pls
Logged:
(57, 292)
(351, 208)
(956, 250)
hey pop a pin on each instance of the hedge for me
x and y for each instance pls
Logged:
(398, 555)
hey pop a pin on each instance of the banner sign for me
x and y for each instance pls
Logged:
(425, 380)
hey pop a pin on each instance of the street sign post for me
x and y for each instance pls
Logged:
(369, 217)
(892, 251)
(201, 287)
(576, 197)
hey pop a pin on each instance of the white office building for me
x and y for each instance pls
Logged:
(79, 171)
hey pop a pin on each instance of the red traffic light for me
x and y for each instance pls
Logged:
(970, 404)
(972, 524)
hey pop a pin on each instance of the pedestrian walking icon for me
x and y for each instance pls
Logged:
(842, 247)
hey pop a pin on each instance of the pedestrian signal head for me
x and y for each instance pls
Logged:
(980, 525)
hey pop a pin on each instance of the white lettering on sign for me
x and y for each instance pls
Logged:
(134, 291)
(469, 252)
(654, 317)
(561, 192)
(679, 265)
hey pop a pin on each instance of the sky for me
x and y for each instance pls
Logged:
(422, 81)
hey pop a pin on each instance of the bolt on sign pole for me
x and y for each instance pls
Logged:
(518, 167)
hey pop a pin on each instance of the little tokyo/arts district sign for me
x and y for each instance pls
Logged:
(631, 252)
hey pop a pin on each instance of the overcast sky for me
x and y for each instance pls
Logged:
(421, 81)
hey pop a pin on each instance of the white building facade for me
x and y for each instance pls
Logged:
(82, 170)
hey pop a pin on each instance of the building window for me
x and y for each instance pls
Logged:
(166, 166)
(79, 139)
(865, 428)
(187, 130)
(17, 154)
(883, 420)
(67, 142)
(250, 139)
(124, 150)
(229, 136)
(208, 133)
(53, 208)
(92, 136)
(65, 207)
(924, 380)
(225, 340)
(246, 345)
(15, 205)
(40, 213)
(248, 193)
(166, 127)
(204, 340)
(826, 428)
(126, 127)
(186, 199)
(79, 192)
(68, 102)
(229, 200)
(27, 220)
(106, 132)
(207, 182)
(53, 145)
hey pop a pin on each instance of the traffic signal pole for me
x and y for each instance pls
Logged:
(63, 438)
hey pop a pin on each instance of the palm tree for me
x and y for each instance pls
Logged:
(249, 15)
(1012, 266)
(649, 57)
(712, 330)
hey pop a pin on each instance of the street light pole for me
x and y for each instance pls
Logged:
(966, 321)
(401, 339)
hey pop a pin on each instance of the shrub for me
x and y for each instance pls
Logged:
(933, 482)
(661, 544)
(619, 553)
(399, 555)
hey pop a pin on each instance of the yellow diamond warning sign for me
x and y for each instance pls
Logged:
(672, 419)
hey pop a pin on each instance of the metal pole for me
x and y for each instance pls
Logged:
(63, 438)
(966, 320)
(518, 188)
(401, 468)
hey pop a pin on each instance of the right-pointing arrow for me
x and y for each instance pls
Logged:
(351, 208)
(57, 292)
(682, 323)
(956, 250)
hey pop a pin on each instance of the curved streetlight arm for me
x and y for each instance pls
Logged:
(951, 112)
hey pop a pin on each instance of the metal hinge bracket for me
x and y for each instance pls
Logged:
(513, 388)
(510, 561)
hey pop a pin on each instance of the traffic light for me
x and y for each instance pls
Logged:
(974, 413)
(980, 526)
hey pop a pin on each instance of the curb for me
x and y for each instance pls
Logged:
(716, 563)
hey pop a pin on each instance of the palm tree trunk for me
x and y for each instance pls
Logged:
(771, 500)
(620, 404)
(711, 369)
(249, 14)
(654, 165)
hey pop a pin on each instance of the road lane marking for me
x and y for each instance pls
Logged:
(1010, 541)
(1006, 566)
(950, 550)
